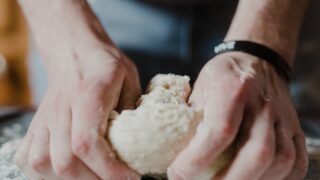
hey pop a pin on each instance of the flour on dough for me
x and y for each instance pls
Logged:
(150, 137)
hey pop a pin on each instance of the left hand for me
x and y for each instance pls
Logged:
(245, 102)
(66, 138)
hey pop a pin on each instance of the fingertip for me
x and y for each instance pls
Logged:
(174, 175)
(21, 155)
(181, 168)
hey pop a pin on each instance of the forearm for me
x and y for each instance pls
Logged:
(63, 26)
(275, 23)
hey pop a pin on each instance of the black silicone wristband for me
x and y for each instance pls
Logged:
(260, 51)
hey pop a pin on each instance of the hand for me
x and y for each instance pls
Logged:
(247, 104)
(66, 139)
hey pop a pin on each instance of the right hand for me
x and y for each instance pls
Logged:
(66, 138)
(248, 105)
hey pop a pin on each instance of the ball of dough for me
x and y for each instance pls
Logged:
(150, 137)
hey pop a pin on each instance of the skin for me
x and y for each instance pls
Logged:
(248, 103)
(88, 77)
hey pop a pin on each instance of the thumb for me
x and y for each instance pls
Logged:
(130, 93)
(223, 110)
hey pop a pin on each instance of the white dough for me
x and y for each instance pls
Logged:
(150, 137)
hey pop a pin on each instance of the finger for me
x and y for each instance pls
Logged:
(284, 156)
(21, 157)
(88, 132)
(300, 167)
(65, 164)
(22, 153)
(222, 116)
(39, 156)
(130, 93)
(256, 155)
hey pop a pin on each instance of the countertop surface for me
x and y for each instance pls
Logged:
(14, 123)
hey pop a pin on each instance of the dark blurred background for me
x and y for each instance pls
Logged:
(160, 37)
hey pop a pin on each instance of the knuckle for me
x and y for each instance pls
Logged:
(118, 65)
(115, 67)
(220, 134)
(226, 132)
(40, 163)
(65, 167)
(81, 145)
(286, 158)
(264, 154)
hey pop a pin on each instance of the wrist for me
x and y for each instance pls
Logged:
(273, 23)
(259, 51)
(246, 66)
(63, 25)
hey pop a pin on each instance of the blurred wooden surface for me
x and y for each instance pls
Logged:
(14, 87)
